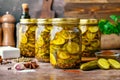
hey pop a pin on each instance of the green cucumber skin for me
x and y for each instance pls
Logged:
(89, 65)
(97, 65)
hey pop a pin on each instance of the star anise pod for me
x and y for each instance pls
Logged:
(31, 65)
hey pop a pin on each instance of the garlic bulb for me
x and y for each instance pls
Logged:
(19, 66)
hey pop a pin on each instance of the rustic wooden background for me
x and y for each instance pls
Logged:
(64, 8)
(14, 7)
(92, 1)
(91, 8)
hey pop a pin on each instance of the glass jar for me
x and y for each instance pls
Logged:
(65, 43)
(90, 37)
(42, 52)
(27, 37)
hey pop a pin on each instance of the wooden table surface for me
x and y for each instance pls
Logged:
(47, 72)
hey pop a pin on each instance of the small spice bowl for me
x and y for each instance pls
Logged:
(108, 54)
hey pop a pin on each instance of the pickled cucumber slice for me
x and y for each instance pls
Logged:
(67, 34)
(46, 30)
(55, 47)
(85, 41)
(52, 59)
(32, 28)
(93, 29)
(40, 41)
(58, 41)
(90, 35)
(31, 45)
(95, 43)
(89, 65)
(36, 50)
(37, 56)
(103, 63)
(23, 38)
(64, 47)
(73, 47)
(75, 57)
(83, 48)
(89, 48)
(114, 63)
(63, 54)
(49, 28)
(41, 54)
(83, 29)
(42, 50)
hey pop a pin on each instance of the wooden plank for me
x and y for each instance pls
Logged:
(47, 72)
(92, 1)
(73, 6)
(91, 10)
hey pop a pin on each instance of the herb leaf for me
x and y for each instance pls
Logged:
(114, 18)
(108, 27)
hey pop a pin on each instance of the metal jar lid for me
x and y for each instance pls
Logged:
(88, 21)
(65, 20)
(28, 21)
(44, 21)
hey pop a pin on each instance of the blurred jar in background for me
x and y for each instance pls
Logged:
(65, 43)
(27, 37)
(90, 37)
(42, 51)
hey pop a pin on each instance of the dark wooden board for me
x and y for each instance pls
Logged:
(91, 10)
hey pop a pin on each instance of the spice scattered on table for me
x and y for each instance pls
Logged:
(72, 71)
(9, 68)
(23, 59)
(31, 65)
(0, 59)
